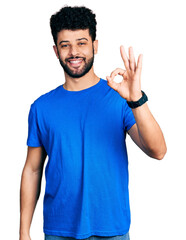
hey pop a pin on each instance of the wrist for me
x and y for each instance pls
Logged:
(135, 97)
(24, 233)
(139, 102)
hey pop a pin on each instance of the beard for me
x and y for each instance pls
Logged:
(75, 73)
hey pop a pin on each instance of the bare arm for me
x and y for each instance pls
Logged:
(30, 188)
(147, 134)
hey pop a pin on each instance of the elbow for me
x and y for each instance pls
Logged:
(160, 155)
(157, 154)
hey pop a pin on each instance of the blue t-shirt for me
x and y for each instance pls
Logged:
(83, 133)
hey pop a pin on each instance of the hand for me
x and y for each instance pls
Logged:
(130, 87)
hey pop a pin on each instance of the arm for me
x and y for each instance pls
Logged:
(30, 188)
(146, 133)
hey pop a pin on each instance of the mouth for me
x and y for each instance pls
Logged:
(75, 62)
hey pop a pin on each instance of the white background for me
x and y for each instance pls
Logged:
(30, 68)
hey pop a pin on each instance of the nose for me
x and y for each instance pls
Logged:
(74, 50)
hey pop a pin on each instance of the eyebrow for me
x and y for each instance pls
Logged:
(64, 41)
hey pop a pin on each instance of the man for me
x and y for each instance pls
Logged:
(81, 125)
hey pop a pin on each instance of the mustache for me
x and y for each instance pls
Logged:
(77, 57)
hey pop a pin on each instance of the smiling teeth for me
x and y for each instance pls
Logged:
(75, 61)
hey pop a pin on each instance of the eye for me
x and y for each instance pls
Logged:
(82, 43)
(64, 46)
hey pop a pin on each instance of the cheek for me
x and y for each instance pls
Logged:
(63, 56)
(89, 52)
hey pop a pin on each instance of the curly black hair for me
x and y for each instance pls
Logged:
(73, 18)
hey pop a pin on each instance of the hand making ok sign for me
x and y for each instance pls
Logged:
(130, 87)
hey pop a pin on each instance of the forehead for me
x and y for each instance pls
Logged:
(73, 35)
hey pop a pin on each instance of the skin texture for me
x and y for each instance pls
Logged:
(69, 46)
(30, 188)
(146, 133)
(130, 87)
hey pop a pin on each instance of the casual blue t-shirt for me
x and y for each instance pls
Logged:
(83, 133)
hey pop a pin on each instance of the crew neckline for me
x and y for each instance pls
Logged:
(83, 90)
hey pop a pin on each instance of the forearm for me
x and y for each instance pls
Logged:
(29, 194)
(150, 134)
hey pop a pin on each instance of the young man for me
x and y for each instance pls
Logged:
(81, 125)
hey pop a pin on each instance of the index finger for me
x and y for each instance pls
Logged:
(117, 71)
(124, 57)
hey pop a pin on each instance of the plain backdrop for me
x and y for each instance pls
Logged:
(29, 68)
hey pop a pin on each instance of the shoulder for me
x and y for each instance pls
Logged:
(45, 98)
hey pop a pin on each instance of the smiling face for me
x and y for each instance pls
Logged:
(75, 51)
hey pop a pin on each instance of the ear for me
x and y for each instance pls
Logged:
(56, 51)
(95, 45)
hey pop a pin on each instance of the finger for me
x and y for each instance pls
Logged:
(124, 57)
(112, 83)
(117, 71)
(139, 64)
(132, 62)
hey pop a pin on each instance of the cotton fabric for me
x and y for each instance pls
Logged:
(83, 133)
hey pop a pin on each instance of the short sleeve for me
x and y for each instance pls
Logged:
(128, 117)
(34, 139)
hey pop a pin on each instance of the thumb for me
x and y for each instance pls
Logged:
(111, 83)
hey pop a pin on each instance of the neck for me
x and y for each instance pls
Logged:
(77, 84)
